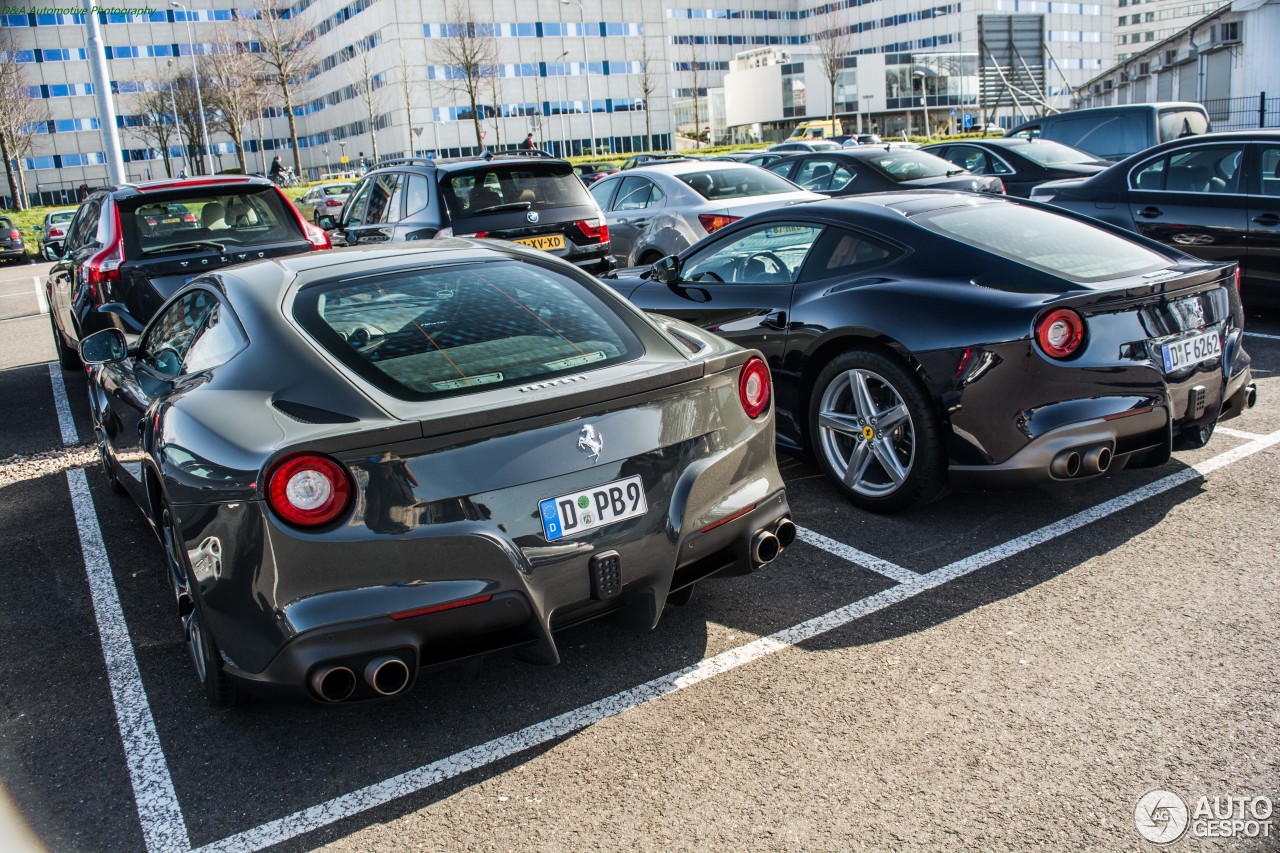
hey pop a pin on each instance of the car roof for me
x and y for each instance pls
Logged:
(680, 167)
(455, 164)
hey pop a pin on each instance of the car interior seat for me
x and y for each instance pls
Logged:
(703, 185)
(1193, 179)
(482, 197)
(213, 216)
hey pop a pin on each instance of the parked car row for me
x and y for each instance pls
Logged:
(489, 437)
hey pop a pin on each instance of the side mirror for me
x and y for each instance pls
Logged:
(50, 252)
(666, 270)
(105, 347)
(36, 228)
(327, 222)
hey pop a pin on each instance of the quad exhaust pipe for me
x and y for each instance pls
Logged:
(387, 675)
(333, 683)
(1073, 463)
(765, 548)
(785, 530)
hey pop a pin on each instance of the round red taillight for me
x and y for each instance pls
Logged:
(1060, 333)
(308, 489)
(754, 387)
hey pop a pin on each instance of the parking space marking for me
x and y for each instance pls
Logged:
(414, 781)
(1238, 433)
(1260, 335)
(163, 826)
(847, 552)
(62, 405)
(40, 299)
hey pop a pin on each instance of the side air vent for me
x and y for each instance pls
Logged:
(310, 414)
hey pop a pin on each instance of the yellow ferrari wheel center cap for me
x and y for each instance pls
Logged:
(868, 432)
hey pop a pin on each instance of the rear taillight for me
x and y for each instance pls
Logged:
(713, 222)
(1000, 187)
(594, 230)
(15, 234)
(55, 232)
(1237, 278)
(308, 489)
(754, 387)
(1060, 333)
(316, 237)
(189, 217)
(332, 202)
(104, 266)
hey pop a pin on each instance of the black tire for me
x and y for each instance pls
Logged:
(68, 358)
(648, 259)
(912, 445)
(219, 690)
(104, 459)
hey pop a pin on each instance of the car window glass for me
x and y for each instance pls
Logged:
(771, 253)
(841, 252)
(359, 202)
(1206, 169)
(634, 194)
(968, 157)
(1108, 136)
(513, 186)
(815, 175)
(232, 217)
(465, 328)
(1028, 133)
(841, 177)
(734, 182)
(1270, 170)
(417, 196)
(780, 167)
(173, 332)
(384, 200)
(85, 229)
(216, 342)
(1175, 124)
(602, 192)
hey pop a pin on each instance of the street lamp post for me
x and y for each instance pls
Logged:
(176, 127)
(920, 74)
(586, 62)
(564, 120)
(195, 71)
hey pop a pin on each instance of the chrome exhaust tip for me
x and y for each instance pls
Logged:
(1097, 460)
(786, 532)
(764, 548)
(387, 675)
(1251, 396)
(333, 683)
(1065, 465)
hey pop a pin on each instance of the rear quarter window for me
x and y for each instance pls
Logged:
(1044, 240)
(460, 329)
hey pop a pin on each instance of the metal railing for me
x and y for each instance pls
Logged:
(1247, 113)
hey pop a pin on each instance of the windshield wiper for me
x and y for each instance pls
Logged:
(511, 205)
(183, 247)
(953, 172)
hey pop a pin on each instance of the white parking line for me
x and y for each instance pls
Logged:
(40, 299)
(847, 552)
(1260, 335)
(163, 827)
(1238, 433)
(506, 746)
(66, 423)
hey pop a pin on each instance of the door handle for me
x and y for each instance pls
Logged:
(1150, 212)
(639, 223)
(776, 320)
(1267, 219)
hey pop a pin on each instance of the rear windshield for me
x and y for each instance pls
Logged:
(339, 189)
(460, 329)
(1175, 124)
(736, 183)
(62, 216)
(1048, 153)
(1055, 244)
(208, 219)
(906, 164)
(513, 186)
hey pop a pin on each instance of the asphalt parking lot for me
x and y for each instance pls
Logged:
(996, 671)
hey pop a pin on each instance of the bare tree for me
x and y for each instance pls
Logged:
(286, 46)
(19, 113)
(406, 90)
(157, 129)
(368, 89)
(495, 100)
(233, 88)
(834, 45)
(696, 68)
(182, 88)
(469, 52)
(648, 85)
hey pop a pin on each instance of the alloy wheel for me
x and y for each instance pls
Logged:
(866, 432)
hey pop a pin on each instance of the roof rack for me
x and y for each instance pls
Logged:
(405, 161)
(518, 152)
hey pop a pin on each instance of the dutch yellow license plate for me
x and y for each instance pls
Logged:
(546, 243)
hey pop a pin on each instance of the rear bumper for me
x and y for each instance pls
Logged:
(507, 615)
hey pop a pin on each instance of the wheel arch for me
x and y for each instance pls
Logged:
(840, 341)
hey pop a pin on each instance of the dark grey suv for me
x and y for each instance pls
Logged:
(525, 197)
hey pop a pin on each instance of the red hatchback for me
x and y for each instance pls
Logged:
(131, 247)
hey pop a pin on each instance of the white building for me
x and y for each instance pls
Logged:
(1226, 60)
(993, 60)
(1141, 23)
(544, 81)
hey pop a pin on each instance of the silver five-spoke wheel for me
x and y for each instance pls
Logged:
(867, 434)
